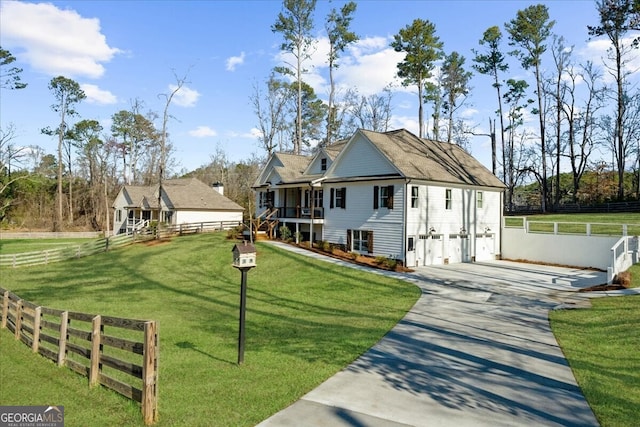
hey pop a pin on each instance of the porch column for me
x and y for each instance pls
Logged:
(297, 232)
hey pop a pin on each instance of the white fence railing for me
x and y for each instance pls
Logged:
(608, 247)
(48, 256)
(101, 245)
(623, 255)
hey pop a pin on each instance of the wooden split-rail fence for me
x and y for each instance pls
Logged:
(87, 344)
(48, 256)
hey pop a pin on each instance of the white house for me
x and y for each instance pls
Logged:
(186, 200)
(388, 194)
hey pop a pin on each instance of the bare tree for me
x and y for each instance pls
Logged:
(581, 121)
(10, 156)
(617, 18)
(180, 82)
(371, 112)
(271, 109)
(562, 60)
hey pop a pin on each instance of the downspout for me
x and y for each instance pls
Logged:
(500, 224)
(475, 225)
(312, 202)
(404, 223)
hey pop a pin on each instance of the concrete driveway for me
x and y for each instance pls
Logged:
(475, 350)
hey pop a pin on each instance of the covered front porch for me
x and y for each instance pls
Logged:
(304, 229)
(136, 218)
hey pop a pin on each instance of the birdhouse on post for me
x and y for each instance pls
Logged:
(244, 255)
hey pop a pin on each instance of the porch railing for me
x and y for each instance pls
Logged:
(137, 224)
(300, 212)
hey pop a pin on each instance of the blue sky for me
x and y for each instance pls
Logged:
(121, 51)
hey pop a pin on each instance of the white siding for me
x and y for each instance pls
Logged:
(182, 217)
(481, 224)
(315, 168)
(361, 158)
(118, 205)
(386, 224)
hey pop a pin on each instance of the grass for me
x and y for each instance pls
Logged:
(306, 320)
(602, 224)
(615, 218)
(602, 346)
(14, 246)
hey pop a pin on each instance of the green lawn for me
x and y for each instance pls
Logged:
(14, 246)
(602, 224)
(617, 218)
(602, 345)
(306, 320)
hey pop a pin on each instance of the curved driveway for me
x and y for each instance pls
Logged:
(475, 350)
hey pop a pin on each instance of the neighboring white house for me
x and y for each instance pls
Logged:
(185, 200)
(388, 194)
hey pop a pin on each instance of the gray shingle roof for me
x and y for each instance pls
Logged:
(183, 193)
(420, 158)
(413, 157)
(292, 168)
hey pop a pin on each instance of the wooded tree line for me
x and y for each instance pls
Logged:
(569, 100)
(75, 186)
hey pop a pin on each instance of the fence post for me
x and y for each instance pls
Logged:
(150, 373)
(36, 329)
(5, 308)
(62, 342)
(94, 369)
(588, 229)
(18, 318)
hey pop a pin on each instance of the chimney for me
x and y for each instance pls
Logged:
(218, 187)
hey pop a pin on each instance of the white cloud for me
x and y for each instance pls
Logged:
(234, 61)
(369, 65)
(203, 132)
(95, 95)
(468, 113)
(371, 72)
(255, 133)
(184, 97)
(55, 41)
(596, 51)
(409, 123)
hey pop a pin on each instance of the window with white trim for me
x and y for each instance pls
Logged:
(317, 198)
(414, 196)
(447, 199)
(338, 198)
(383, 196)
(479, 199)
(360, 241)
